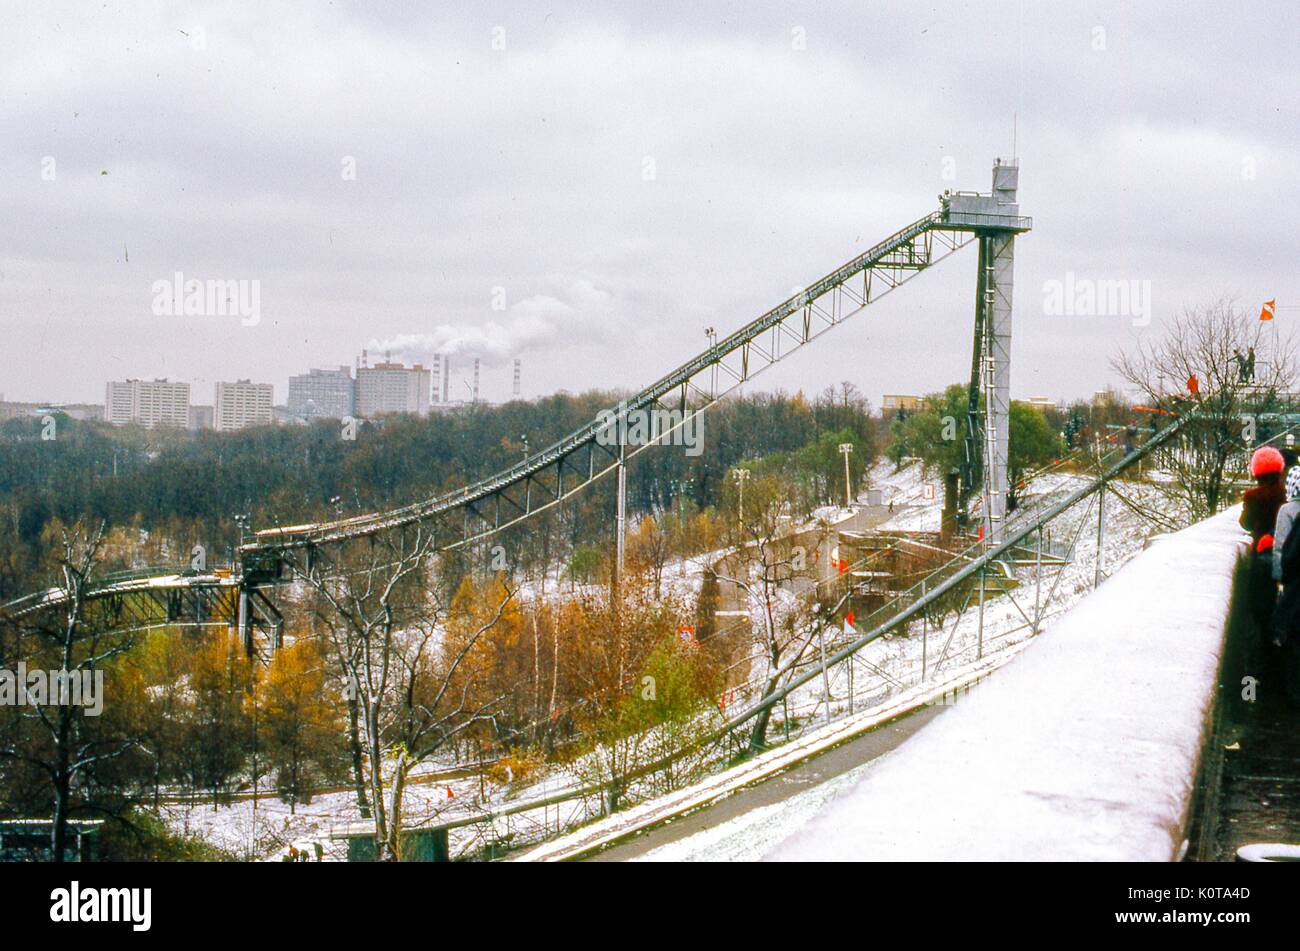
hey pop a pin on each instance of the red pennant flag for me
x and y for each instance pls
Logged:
(1267, 312)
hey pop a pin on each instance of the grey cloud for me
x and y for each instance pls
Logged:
(523, 169)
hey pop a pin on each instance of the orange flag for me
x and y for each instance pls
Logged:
(1267, 312)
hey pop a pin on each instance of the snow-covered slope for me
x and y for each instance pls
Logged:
(1083, 748)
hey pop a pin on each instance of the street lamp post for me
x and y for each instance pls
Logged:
(845, 449)
(243, 522)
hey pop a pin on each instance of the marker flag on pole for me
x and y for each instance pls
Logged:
(1267, 312)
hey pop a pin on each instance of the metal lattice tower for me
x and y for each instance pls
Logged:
(987, 438)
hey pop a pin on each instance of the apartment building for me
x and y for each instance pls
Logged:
(392, 388)
(149, 403)
(241, 404)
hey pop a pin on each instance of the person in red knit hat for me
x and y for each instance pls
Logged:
(1259, 507)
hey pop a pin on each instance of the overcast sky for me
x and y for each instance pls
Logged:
(588, 188)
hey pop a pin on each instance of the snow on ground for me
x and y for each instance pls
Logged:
(723, 782)
(1141, 657)
(908, 488)
(878, 671)
(1098, 729)
(896, 661)
(265, 832)
(889, 667)
(901, 484)
(747, 837)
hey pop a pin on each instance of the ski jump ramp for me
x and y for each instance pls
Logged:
(1084, 748)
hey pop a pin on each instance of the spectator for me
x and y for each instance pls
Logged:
(1286, 561)
(1259, 508)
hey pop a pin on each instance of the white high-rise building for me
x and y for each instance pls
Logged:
(118, 402)
(392, 388)
(242, 404)
(147, 402)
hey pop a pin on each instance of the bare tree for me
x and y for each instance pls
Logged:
(406, 680)
(767, 557)
(650, 549)
(1222, 369)
(441, 690)
(63, 745)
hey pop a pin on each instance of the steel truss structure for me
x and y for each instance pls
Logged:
(548, 477)
(126, 602)
(599, 448)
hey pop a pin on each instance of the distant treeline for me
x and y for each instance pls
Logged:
(189, 487)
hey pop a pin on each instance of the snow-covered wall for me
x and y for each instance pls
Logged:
(1084, 748)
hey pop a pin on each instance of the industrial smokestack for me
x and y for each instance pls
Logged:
(516, 384)
(475, 397)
